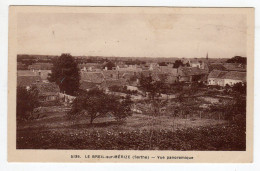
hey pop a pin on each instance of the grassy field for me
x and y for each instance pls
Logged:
(53, 130)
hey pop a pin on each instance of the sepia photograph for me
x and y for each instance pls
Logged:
(133, 79)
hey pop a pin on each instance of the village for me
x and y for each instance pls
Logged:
(127, 73)
(197, 93)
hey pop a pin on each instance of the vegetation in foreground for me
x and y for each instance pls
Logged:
(216, 138)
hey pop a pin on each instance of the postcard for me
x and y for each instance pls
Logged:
(130, 84)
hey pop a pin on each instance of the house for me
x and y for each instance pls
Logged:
(66, 99)
(90, 67)
(191, 74)
(48, 93)
(223, 78)
(215, 77)
(196, 64)
(234, 77)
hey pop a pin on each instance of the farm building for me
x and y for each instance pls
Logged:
(223, 78)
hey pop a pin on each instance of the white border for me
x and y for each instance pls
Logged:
(4, 165)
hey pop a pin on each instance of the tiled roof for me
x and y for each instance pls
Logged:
(95, 77)
(27, 80)
(109, 74)
(167, 69)
(217, 74)
(216, 66)
(126, 74)
(85, 85)
(234, 75)
(188, 71)
(45, 88)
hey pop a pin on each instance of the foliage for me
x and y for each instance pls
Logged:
(27, 100)
(154, 88)
(216, 138)
(237, 59)
(233, 110)
(240, 88)
(177, 64)
(66, 74)
(162, 64)
(122, 110)
(95, 103)
(109, 65)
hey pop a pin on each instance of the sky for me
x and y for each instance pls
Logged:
(132, 34)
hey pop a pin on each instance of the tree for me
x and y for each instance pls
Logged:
(27, 100)
(95, 103)
(65, 74)
(154, 88)
(122, 109)
(237, 59)
(109, 65)
(177, 64)
(239, 88)
(162, 64)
